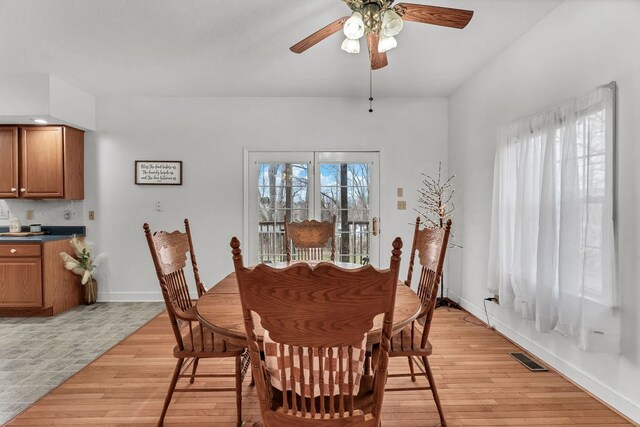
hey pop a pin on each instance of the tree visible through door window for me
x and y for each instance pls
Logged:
(344, 192)
(283, 189)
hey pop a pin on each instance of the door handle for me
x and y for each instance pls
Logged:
(374, 222)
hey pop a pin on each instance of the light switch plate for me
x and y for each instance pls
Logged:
(92, 215)
(400, 191)
(402, 205)
(30, 214)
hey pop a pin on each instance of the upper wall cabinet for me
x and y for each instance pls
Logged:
(9, 162)
(41, 162)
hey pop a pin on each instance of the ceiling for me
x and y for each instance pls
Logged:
(241, 48)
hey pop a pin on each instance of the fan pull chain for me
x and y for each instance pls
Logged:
(370, 92)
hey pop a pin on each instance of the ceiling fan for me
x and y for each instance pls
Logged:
(380, 22)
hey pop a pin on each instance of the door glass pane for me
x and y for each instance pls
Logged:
(283, 189)
(344, 193)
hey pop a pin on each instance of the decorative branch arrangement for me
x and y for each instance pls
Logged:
(435, 198)
(435, 206)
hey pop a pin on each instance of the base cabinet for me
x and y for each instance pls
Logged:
(33, 281)
(20, 282)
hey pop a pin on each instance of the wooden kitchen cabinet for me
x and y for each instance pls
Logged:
(20, 283)
(33, 280)
(9, 162)
(42, 162)
(20, 276)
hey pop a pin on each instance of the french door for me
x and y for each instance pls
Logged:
(313, 185)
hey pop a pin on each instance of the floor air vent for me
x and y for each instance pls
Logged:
(526, 361)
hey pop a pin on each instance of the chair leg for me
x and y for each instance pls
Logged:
(434, 390)
(239, 390)
(413, 375)
(246, 367)
(193, 373)
(367, 363)
(172, 387)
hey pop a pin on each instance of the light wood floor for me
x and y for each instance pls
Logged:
(479, 384)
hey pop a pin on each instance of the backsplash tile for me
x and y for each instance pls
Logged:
(45, 212)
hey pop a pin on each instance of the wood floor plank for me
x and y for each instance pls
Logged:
(478, 382)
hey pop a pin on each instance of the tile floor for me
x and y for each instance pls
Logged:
(39, 353)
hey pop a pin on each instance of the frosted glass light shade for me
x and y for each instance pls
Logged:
(386, 43)
(354, 27)
(391, 23)
(351, 45)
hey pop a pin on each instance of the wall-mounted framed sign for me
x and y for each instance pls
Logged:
(158, 172)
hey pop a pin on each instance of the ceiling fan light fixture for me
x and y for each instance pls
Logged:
(351, 45)
(381, 21)
(386, 43)
(354, 27)
(391, 23)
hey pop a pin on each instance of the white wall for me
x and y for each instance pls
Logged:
(24, 94)
(27, 96)
(580, 45)
(208, 135)
(71, 105)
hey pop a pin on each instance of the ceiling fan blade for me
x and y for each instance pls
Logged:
(319, 35)
(378, 60)
(436, 15)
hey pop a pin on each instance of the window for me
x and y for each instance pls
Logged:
(283, 190)
(552, 251)
(312, 185)
(344, 193)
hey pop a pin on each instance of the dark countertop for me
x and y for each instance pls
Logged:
(53, 233)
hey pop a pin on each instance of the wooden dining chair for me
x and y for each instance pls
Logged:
(193, 340)
(413, 341)
(308, 239)
(315, 339)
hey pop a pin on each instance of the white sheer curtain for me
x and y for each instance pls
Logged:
(552, 251)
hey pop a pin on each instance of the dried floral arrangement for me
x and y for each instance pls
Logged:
(84, 263)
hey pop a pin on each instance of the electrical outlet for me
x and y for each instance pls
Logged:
(29, 214)
(92, 215)
(67, 215)
(402, 205)
(4, 214)
(158, 206)
(493, 299)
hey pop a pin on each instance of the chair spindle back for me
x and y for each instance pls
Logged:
(169, 254)
(316, 320)
(307, 240)
(431, 246)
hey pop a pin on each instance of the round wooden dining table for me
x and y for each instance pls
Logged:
(221, 310)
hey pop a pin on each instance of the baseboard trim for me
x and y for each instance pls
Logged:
(133, 296)
(600, 391)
